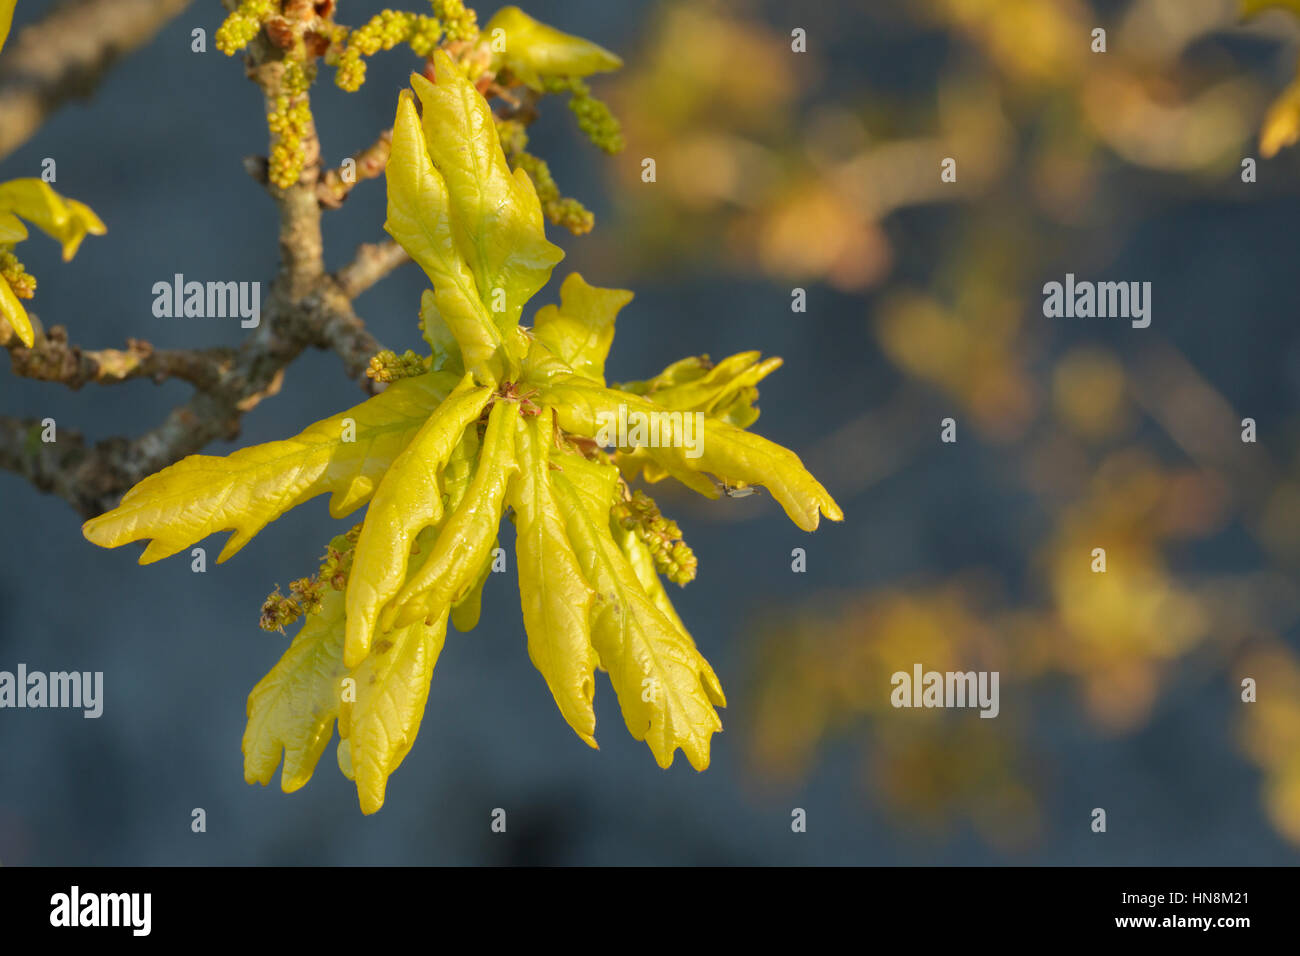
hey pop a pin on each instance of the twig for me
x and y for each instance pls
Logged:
(53, 359)
(64, 56)
(306, 308)
(373, 261)
(369, 163)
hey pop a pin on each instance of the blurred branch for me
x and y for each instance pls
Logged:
(373, 261)
(64, 56)
(64, 467)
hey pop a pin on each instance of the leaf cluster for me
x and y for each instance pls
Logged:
(505, 421)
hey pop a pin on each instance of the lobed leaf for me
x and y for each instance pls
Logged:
(580, 330)
(292, 709)
(596, 483)
(420, 220)
(11, 309)
(496, 217)
(66, 220)
(643, 565)
(408, 500)
(666, 689)
(725, 451)
(534, 50)
(11, 229)
(442, 343)
(245, 491)
(726, 391)
(465, 613)
(465, 539)
(392, 688)
(555, 597)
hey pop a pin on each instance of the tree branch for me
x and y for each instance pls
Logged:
(53, 359)
(306, 307)
(64, 56)
(369, 163)
(373, 261)
(87, 477)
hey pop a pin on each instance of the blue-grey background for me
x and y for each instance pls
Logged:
(157, 154)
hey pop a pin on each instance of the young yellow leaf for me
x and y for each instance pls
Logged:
(725, 391)
(12, 311)
(408, 500)
(666, 690)
(741, 457)
(637, 462)
(345, 759)
(556, 599)
(446, 350)
(596, 483)
(66, 220)
(392, 687)
(82, 221)
(11, 229)
(466, 536)
(727, 452)
(460, 470)
(541, 365)
(6, 19)
(345, 455)
(581, 329)
(496, 217)
(420, 220)
(465, 613)
(292, 709)
(534, 50)
(643, 564)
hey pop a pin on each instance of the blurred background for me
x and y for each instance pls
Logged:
(775, 170)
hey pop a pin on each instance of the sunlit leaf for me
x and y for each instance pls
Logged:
(726, 391)
(726, 452)
(556, 599)
(440, 478)
(465, 539)
(496, 217)
(292, 709)
(392, 687)
(666, 690)
(596, 482)
(11, 228)
(11, 309)
(580, 329)
(408, 500)
(465, 613)
(66, 220)
(204, 494)
(643, 565)
(534, 50)
(419, 219)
